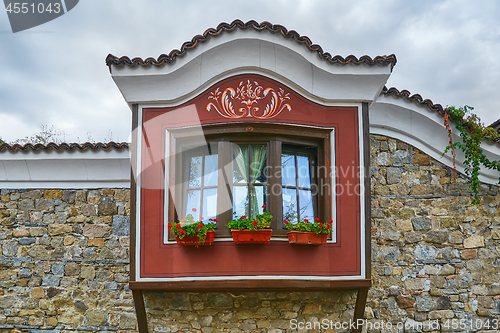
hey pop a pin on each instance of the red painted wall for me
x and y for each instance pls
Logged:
(225, 258)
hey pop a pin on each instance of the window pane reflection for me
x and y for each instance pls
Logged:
(304, 174)
(288, 169)
(194, 171)
(240, 164)
(290, 205)
(306, 205)
(240, 201)
(193, 201)
(211, 173)
(209, 204)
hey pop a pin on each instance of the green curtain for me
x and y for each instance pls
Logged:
(241, 163)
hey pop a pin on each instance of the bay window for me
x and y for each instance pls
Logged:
(232, 174)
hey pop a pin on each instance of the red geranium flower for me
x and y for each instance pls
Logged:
(316, 219)
(194, 210)
(306, 220)
(215, 220)
(286, 222)
(200, 225)
(182, 232)
(328, 226)
(321, 225)
(183, 220)
(243, 217)
(178, 226)
(263, 206)
(255, 223)
(330, 220)
(170, 226)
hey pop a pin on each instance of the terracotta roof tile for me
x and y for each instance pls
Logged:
(264, 26)
(63, 146)
(416, 98)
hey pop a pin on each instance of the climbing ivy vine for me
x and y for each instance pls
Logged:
(472, 132)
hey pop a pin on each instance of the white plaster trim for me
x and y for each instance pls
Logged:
(250, 51)
(361, 174)
(65, 169)
(138, 139)
(257, 277)
(424, 129)
(333, 175)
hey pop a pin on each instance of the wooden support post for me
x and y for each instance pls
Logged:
(359, 310)
(140, 311)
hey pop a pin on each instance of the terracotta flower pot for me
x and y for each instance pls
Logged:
(306, 238)
(195, 241)
(260, 236)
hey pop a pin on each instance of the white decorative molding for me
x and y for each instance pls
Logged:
(422, 128)
(250, 51)
(65, 169)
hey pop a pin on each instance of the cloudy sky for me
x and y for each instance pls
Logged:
(55, 74)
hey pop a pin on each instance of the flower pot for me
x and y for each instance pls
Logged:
(260, 236)
(195, 241)
(306, 238)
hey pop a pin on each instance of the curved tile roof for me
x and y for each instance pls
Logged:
(417, 98)
(64, 146)
(112, 60)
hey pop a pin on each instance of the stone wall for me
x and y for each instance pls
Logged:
(64, 264)
(64, 260)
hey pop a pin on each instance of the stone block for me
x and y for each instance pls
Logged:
(384, 158)
(121, 225)
(437, 236)
(96, 317)
(474, 242)
(494, 289)
(405, 302)
(219, 300)
(403, 156)
(96, 230)
(37, 292)
(438, 281)
(424, 303)
(441, 314)
(44, 205)
(50, 280)
(443, 303)
(52, 194)
(393, 175)
(424, 252)
(87, 272)
(107, 208)
(59, 229)
(10, 248)
(421, 223)
(421, 158)
(26, 205)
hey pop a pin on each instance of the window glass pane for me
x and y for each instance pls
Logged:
(195, 171)
(240, 201)
(290, 205)
(211, 174)
(259, 198)
(240, 164)
(306, 205)
(304, 173)
(258, 164)
(288, 169)
(209, 210)
(193, 201)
